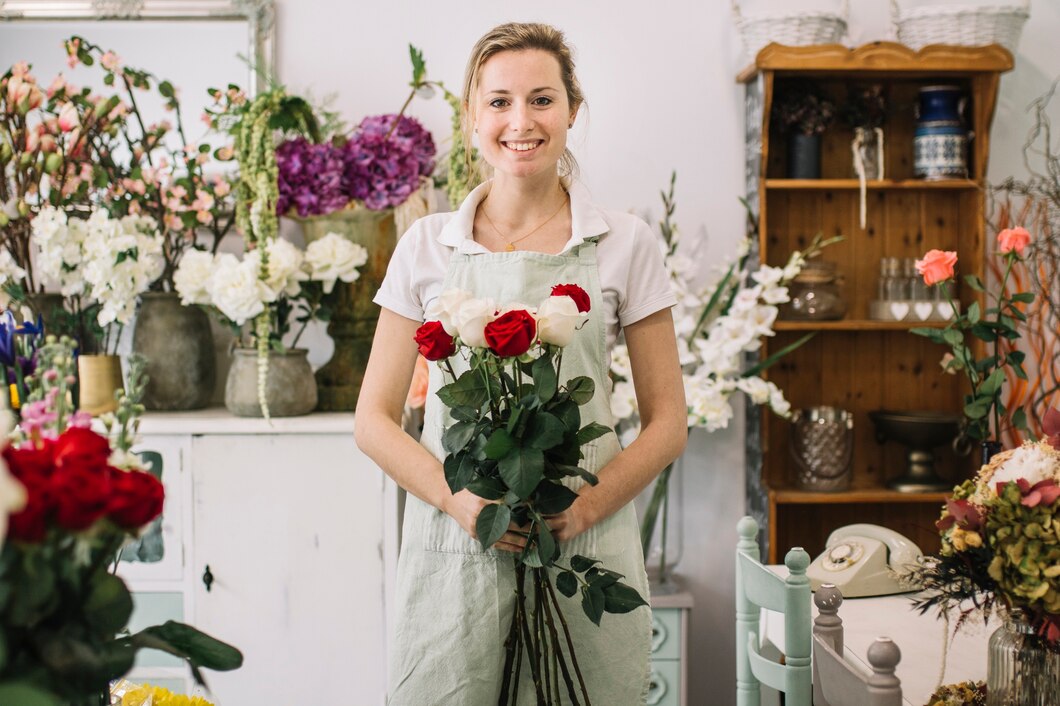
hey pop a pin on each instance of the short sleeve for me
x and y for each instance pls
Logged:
(399, 291)
(648, 288)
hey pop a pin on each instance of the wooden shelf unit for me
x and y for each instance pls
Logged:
(859, 364)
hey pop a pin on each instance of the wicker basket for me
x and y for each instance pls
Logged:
(791, 28)
(963, 25)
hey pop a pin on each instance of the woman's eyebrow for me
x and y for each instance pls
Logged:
(506, 92)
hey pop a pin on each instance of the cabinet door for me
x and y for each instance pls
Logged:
(291, 528)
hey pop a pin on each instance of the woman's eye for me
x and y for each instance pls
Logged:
(543, 100)
(498, 103)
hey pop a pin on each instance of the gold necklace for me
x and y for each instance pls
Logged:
(511, 243)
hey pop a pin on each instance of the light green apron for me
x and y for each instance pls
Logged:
(455, 601)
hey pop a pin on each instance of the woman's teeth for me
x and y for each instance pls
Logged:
(521, 146)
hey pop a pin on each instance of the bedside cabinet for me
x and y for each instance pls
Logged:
(669, 653)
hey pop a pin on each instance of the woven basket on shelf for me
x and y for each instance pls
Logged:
(794, 29)
(963, 25)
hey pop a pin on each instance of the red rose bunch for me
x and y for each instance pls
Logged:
(433, 341)
(70, 484)
(511, 333)
(579, 295)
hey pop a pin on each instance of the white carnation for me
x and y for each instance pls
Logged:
(334, 258)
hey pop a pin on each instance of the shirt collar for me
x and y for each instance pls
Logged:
(586, 221)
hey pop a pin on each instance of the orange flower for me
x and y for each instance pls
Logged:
(1013, 239)
(937, 266)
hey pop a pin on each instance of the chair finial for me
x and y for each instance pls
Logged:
(884, 655)
(747, 528)
(797, 560)
(828, 598)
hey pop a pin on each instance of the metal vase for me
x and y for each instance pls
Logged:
(822, 443)
(354, 314)
(178, 345)
(804, 156)
(290, 389)
(99, 379)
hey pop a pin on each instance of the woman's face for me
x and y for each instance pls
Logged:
(522, 113)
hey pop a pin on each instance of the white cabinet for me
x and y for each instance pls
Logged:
(289, 518)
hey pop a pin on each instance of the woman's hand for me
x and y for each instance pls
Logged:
(465, 506)
(570, 523)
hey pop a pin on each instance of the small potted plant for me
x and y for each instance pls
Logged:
(801, 110)
(865, 112)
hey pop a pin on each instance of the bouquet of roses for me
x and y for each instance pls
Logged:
(1000, 545)
(516, 438)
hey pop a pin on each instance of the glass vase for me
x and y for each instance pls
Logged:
(1022, 668)
(660, 511)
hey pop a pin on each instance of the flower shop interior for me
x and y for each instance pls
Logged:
(855, 203)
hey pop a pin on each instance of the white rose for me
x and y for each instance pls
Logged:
(285, 268)
(471, 320)
(236, 290)
(192, 275)
(557, 320)
(334, 258)
(445, 306)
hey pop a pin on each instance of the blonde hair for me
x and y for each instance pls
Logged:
(521, 36)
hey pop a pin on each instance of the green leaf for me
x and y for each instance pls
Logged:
(581, 389)
(500, 443)
(978, 409)
(492, 523)
(108, 605)
(953, 337)
(568, 413)
(109, 79)
(464, 414)
(591, 432)
(768, 362)
(194, 645)
(544, 378)
(553, 498)
(1019, 419)
(581, 564)
(933, 333)
(544, 431)
(984, 332)
(419, 66)
(974, 313)
(567, 583)
(488, 488)
(992, 384)
(601, 578)
(986, 363)
(25, 694)
(469, 390)
(1025, 297)
(974, 282)
(593, 603)
(620, 598)
(165, 88)
(547, 548)
(458, 436)
(459, 470)
(523, 470)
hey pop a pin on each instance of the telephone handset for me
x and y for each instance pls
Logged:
(865, 560)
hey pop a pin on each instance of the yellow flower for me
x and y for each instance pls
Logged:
(15, 402)
(148, 695)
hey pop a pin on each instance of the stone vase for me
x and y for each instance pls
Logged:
(354, 315)
(178, 346)
(99, 378)
(291, 389)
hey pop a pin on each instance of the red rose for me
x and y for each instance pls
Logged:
(82, 447)
(30, 524)
(433, 341)
(579, 295)
(81, 494)
(30, 461)
(136, 498)
(511, 333)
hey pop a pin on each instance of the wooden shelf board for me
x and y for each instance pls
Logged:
(854, 325)
(791, 496)
(874, 185)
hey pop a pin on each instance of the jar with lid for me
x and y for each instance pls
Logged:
(815, 294)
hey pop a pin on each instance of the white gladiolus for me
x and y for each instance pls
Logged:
(755, 388)
(192, 277)
(471, 320)
(445, 307)
(334, 258)
(236, 289)
(557, 320)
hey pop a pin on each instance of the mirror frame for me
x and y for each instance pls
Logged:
(260, 16)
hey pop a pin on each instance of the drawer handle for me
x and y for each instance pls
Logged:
(657, 688)
(207, 578)
(658, 634)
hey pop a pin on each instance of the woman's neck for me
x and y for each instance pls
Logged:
(520, 203)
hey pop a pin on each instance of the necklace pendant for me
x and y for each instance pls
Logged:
(510, 247)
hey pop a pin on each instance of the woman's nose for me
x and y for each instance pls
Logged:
(521, 118)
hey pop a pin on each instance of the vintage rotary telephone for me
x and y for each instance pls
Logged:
(865, 560)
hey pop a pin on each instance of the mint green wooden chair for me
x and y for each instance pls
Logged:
(757, 587)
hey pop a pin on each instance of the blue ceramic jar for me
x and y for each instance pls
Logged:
(940, 141)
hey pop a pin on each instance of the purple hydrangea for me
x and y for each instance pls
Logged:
(310, 178)
(382, 172)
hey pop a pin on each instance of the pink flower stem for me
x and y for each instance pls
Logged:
(1010, 259)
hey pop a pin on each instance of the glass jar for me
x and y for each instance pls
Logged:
(815, 294)
(1022, 668)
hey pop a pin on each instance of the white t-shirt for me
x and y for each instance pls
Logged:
(634, 282)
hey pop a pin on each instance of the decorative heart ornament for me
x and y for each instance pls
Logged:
(899, 310)
(923, 310)
(945, 310)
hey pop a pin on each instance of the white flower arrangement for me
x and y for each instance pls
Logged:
(241, 290)
(100, 263)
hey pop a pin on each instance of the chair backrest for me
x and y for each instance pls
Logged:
(757, 587)
(837, 682)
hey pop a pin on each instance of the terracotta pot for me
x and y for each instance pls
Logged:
(291, 389)
(99, 378)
